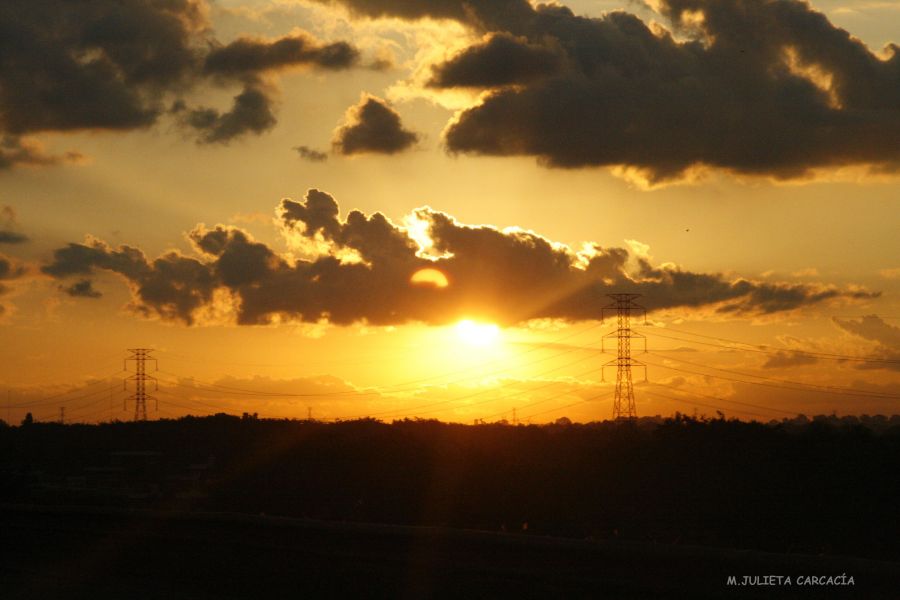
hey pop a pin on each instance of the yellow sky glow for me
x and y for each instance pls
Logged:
(477, 334)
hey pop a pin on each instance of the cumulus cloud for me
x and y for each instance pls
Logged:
(83, 288)
(250, 55)
(111, 65)
(12, 237)
(768, 88)
(172, 286)
(873, 328)
(362, 269)
(372, 127)
(885, 336)
(251, 112)
(246, 60)
(9, 269)
(502, 59)
(21, 151)
(9, 226)
(479, 13)
(311, 154)
(97, 65)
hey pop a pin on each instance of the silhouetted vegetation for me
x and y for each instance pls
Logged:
(822, 485)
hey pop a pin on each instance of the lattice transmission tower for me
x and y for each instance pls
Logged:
(140, 356)
(624, 304)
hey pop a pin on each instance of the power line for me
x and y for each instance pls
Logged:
(54, 399)
(415, 411)
(478, 393)
(775, 351)
(672, 387)
(82, 397)
(89, 404)
(598, 396)
(845, 392)
(217, 407)
(779, 380)
(140, 407)
(863, 317)
(394, 389)
(84, 418)
(719, 408)
(556, 408)
(404, 384)
(205, 361)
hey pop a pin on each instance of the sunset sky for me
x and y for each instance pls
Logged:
(416, 208)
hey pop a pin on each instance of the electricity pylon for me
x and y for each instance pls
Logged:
(623, 304)
(140, 356)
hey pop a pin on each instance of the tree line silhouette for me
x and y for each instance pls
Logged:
(822, 485)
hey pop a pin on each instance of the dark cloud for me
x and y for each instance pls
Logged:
(112, 65)
(245, 60)
(9, 269)
(251, 112)
(172, 286)
(363, 264)
(885, 335)
(373, 127)
(318, 213)
(873, 328)
(82, 259)
(93, 65)
(19, 151)
(502, 59)
(12, 237)
(758, 87)
(249, 56)
(311, 154)
(83, 288)
(8, 226)
(478, 13)
(786, 359)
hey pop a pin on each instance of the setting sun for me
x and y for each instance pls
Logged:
(431, 277)
(477, 334)
(449, 298)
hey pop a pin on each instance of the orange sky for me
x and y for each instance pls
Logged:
(492, 152)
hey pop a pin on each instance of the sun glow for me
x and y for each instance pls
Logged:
(477, 334)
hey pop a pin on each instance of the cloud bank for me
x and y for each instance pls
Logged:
(358, 269)
(759, 87)
(885, 336)
(111, 65)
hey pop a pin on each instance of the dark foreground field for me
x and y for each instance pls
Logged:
(110, 553)
(229, 507)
